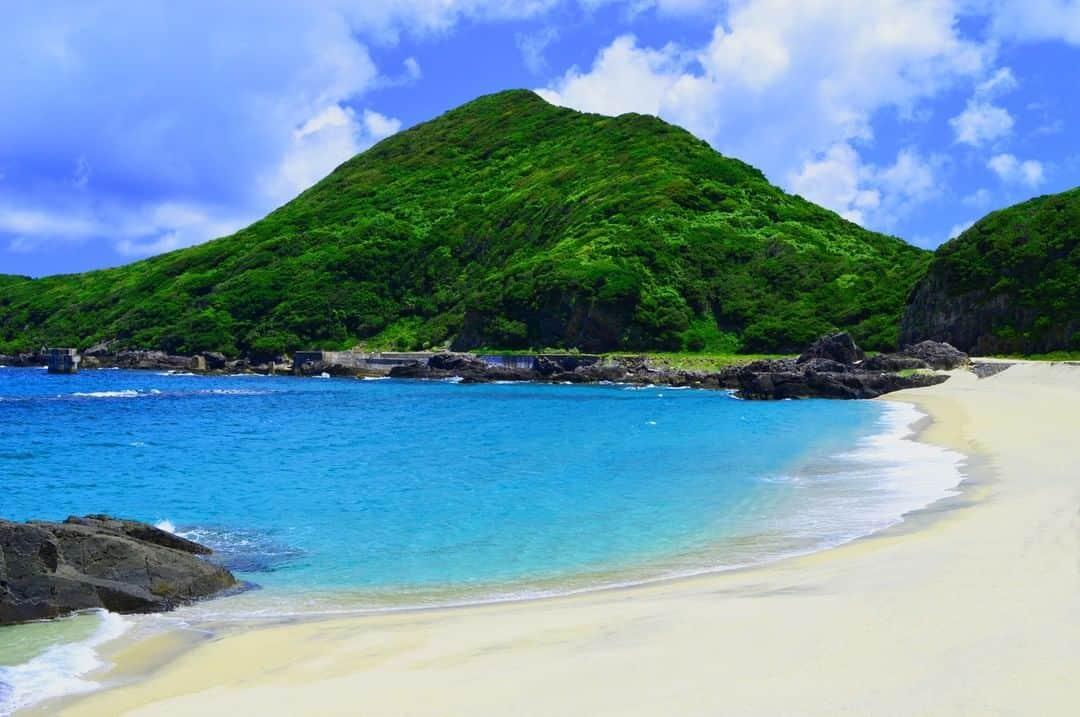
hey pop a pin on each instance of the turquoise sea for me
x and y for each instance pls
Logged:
(335, 495)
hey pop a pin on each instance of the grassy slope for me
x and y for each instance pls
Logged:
(506, 222)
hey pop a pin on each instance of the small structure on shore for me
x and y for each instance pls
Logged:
(63, 361)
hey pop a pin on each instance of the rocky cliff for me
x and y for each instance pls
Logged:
(1009, 284)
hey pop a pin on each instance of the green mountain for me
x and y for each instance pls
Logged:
(509, 223)
(1009, 284)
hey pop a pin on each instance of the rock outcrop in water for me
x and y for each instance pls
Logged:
(52, 569)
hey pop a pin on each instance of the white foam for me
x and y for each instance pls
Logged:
(60, 670)
(128, 393)
(166, 525)
(376, 378)
(177, 373)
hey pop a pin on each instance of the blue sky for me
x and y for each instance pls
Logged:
(133, 128)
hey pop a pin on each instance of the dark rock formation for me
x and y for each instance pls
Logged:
(828, 369)
(937, 355)
(147, 360)
(214, 361)
(828, 384)
(832, 368)
(893, 362)
(53, 569)
(23, 360)
(984, 369)
(840, 348)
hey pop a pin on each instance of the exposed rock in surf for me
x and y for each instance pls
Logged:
(52, 569)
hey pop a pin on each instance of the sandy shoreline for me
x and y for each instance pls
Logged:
(967, 608)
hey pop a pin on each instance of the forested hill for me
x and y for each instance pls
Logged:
(509, 223)
(1009, 284)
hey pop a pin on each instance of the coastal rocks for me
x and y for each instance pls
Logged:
(849, 384)
(24, 360)
(923, 355)
(149, 360)
(462, 366)
(832, 367)
(52, 569)
(938, 355)
(839, 347)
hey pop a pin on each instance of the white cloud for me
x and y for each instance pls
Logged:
(981, 122)
(322, 143)
(1014, 171)
(1037, 20)
(980, 198)
(1000, 82)
(34, 223)
(782, 84)
(867, 194)
(958, 229)
(623, 78)
(532, 47)
(412, 69)
(379, 126)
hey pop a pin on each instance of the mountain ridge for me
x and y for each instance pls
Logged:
(505, 222)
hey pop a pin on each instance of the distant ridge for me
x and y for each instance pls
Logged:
(510, 223)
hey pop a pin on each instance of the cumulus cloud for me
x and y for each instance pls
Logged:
(865, 193)
(226, 109)
(1009, 169)
(982, 121)
(791, 87)
(1037, 20)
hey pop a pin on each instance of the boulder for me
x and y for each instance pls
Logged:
(52, 569)
(836, 347)
(937, 354)
(892, 362)
(215, 361)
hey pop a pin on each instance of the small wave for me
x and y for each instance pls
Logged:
(176, 373)
(60, 670)
(376, 378)
(233, 392)
(166, 525)
(129, 393)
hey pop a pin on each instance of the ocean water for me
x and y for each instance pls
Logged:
(345, 495)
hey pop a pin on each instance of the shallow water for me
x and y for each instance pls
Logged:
(347, 495)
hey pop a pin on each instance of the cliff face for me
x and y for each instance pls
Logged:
(1009, 284)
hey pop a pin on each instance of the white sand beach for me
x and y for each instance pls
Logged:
(971, 607)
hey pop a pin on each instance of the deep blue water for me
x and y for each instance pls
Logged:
(407, 491)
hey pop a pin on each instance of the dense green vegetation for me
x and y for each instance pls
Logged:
(1009, 285)
(507, 222)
